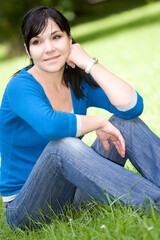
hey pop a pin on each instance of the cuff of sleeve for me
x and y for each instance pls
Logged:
(79, 126)
(129, 105)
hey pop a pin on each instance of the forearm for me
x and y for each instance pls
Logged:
(118, 91)
(88, 124)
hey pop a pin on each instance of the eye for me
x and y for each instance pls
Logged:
(36, 42)
(57, 37)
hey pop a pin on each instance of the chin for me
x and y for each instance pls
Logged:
(52, 69)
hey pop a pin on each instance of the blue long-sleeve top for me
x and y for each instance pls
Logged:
(28, 122)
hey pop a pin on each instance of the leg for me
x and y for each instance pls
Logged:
(142, 147)
(67, 163)
(45, 188)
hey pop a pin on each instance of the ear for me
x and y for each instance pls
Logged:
(27, 51)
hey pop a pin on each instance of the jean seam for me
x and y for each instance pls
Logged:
(128, 148)
(141, 167)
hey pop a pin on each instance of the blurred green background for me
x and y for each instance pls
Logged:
(76, 11)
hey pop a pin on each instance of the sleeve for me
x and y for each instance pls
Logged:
(97, 98)
(28, 101)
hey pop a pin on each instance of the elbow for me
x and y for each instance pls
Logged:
(139, 110)
(135, 114)
(136, 111)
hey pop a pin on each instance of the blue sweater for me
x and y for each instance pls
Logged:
(28, 122)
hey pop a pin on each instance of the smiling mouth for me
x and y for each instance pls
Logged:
(52, 58)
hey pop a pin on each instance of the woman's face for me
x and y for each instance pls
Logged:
(50, 49)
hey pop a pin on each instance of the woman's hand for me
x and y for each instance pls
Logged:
(78, 57)
(111, 132)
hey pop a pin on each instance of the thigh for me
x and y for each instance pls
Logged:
(45, 193)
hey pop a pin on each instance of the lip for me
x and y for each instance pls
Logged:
(51, 58)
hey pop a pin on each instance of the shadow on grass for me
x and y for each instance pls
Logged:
(111, 30)
(92, 12)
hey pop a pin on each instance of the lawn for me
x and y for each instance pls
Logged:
(127, 44)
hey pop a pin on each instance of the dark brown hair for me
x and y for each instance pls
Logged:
(33, 23)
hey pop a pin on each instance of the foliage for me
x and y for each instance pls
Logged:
(12, 11)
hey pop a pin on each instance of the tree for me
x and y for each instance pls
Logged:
(12, 11)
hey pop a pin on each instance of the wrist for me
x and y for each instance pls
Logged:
(91, 123)
(90, 65)
(102, 122)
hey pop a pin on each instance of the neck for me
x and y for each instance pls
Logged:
(50, 79)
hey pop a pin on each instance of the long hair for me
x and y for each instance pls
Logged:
(33, 23)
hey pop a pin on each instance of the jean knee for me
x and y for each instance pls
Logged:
(64, 145)
(116, 121)
(120, 122)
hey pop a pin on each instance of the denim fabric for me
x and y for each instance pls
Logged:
(5, 206)
(67, 164)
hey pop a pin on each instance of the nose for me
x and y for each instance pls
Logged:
(49, 46)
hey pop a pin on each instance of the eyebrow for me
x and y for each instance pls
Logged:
(55, 32)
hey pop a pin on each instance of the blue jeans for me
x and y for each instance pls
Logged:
(68, 164)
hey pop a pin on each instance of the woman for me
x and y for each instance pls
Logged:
(43, 116)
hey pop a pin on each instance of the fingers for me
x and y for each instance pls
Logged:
(106, 145)
(120, 142)
(112, 133)
(120, 145)
(78, 57)
(71, 64)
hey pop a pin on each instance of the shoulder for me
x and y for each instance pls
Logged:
(22, 81)
(20, 78)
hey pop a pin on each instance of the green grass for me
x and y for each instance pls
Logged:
(128, 45)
